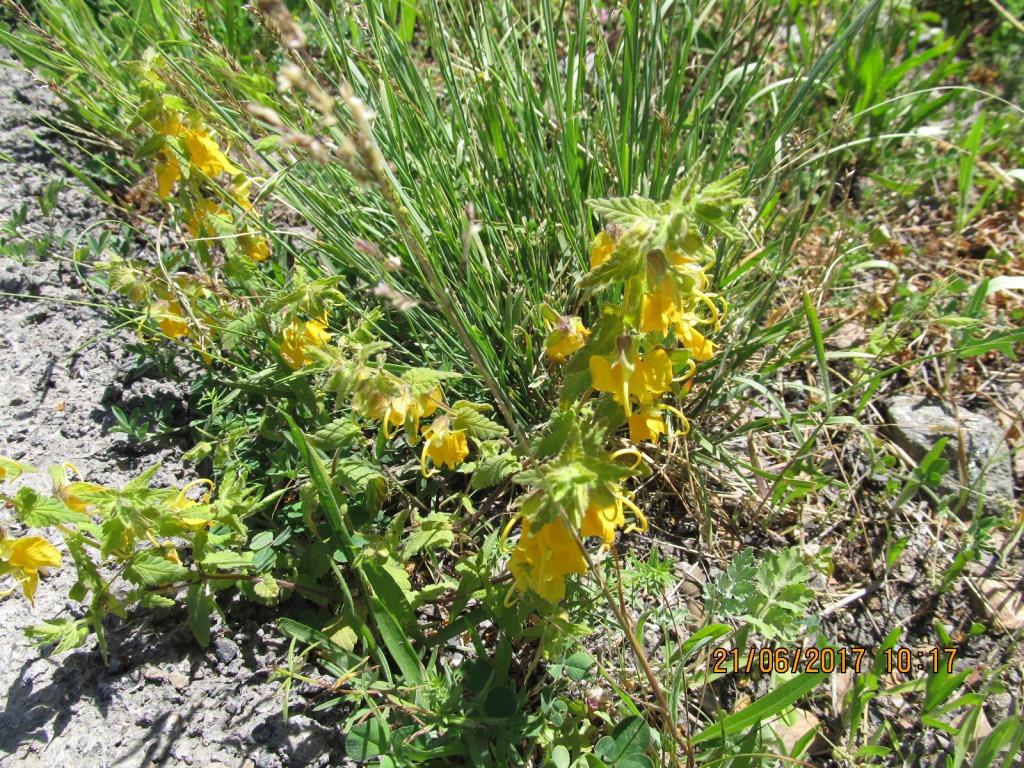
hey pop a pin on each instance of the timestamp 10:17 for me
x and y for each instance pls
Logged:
(766, 659)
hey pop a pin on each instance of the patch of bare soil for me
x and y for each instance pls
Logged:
(158, 699)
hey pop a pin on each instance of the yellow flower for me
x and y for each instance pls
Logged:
(430, 402)
(646, 424)
(658, 310)
(392, 403)
(205, 155)
(702, 348)
(298, 336)
(168, 171)
(443, 445)
(613, 377)
(603, 520)
(650, 377)
(256, 248)
(601, 249)
(170, 318)
(567, 337)
(71, 495)
(541, 561)
(23, 558)
(396, 409)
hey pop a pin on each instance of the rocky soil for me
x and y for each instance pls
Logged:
(158, 699)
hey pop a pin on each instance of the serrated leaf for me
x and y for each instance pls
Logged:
(151, 569)
(422, 381)
(356, 472)
(339, 434)
(112, 536)
(268, 588)
(491, 470)
(227, 560)
(433, 532)
(724, 193)
(66, 634)
(39, 511)
(627, 211)
(725, 228)
(156, 601)
(470, 417)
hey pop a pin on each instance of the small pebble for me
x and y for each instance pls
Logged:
(178, 680)
(225, 650)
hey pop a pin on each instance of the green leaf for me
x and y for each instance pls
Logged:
(1002, 341)
(767, 706)
(422, 381)
(267, 587)
(1008, 733)
(627, 211)
(470, 417)
(367, 739)
(345, 637)
(309, 636)
(112, 536)
(227, 560)
(491, 470)
(156, 601)
(632, 736)
(432, 532)
(38, 511)
(578, 666)
(151, 569)
(200, 605)
(501, 702)
(268, 143)
(11, 469)
(726, 192)
(66, 634)
(339, 434)
(819, 346)
(397, 642)
(261, 540)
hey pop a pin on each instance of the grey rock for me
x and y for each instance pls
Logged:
(917, 424)
(267, 760)
(225, 650)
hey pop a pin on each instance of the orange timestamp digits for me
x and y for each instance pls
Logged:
(766, 659)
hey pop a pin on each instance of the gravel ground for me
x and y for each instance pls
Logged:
(159, 699)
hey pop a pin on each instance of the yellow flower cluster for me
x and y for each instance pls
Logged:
(543, 558)
(191, 160)
(298, 336)
(395, 403)
(651, 341)
(673, 298)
